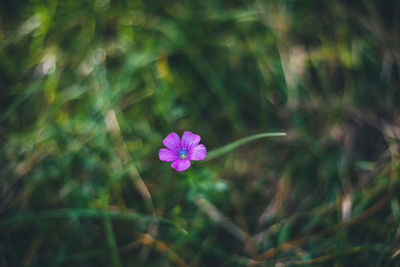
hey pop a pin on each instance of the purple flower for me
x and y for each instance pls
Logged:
(181, 152)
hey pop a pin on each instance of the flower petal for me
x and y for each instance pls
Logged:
(167, 155)
(181, 164)
(172, 141)
(190, 139)
(198, 152)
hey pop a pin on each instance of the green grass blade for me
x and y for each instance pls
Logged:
(112, 244)
(231, 146)
(29, 216)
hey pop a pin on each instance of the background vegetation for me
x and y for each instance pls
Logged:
(90, 88)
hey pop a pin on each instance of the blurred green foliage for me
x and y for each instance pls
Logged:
(90, 88)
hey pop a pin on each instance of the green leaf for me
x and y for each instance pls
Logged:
(231, 146)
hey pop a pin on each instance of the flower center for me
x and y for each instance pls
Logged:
(183, 153)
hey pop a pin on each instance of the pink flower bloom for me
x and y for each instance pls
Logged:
(181, 152)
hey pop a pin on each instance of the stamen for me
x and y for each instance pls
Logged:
(182, 153)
